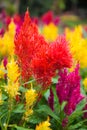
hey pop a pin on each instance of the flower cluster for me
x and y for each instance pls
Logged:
(49, 17)
(77, 44)
(44, 125)
(50, 32)
(30, 97)
(31, 65)
(7, 41)
(68, 89)
(37, 57)
(13, 74)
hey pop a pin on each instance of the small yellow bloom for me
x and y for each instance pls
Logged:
(12, 77)
(85, 84)
(78, 45)
(7, 41)
(30, 97)
(28, 112)
(12, 89)
(44, 125)
(13, 71)
(50, 32)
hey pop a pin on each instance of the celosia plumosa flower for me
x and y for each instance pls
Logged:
(50, 32)
(47, 18)
(13, 71)
(13, 74)
(77, 44)
(7, 41)
(30, 98)
(68, 89)
(26, 43)
(38, 58)
(49, 59)
(45, 125)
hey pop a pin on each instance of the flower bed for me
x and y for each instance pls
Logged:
(43, 73)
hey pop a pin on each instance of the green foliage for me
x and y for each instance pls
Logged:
(36, 7)
(21, 128)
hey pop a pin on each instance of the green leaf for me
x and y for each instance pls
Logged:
(75, 115)
(48, 111)
(37, 117)
(81, 105)
(19, 109)
(55, 79)
(22, 89)
(63, 105)
(77, 125)
(46, 94)
(21, 128)
(4, 97)
(83, 128)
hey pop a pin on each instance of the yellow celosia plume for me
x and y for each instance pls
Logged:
(50, 32)
(78, 45)
(12, 78)
(13, 71)
(7, 41)
(30, 97)
(44, 125)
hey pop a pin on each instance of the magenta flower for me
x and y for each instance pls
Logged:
(56, 20)
(5, 61)
(68, 89)
(47, 17)
(1, 31)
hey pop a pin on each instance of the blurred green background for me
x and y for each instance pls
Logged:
(71, 12)
(38, 7)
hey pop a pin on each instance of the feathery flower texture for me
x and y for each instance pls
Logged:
(30, 97)
(37, 57)
(7, 41)
(68, 89)
(26, 43)
(50, 32)
(13, 79)
(78, 45)
(44, 125)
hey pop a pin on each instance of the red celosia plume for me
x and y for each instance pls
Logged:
(38, 58)
(26, 43)
(59, 53)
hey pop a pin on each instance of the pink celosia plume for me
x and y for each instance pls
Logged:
(68, 89)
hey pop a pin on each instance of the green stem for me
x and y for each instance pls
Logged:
(9, 114)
